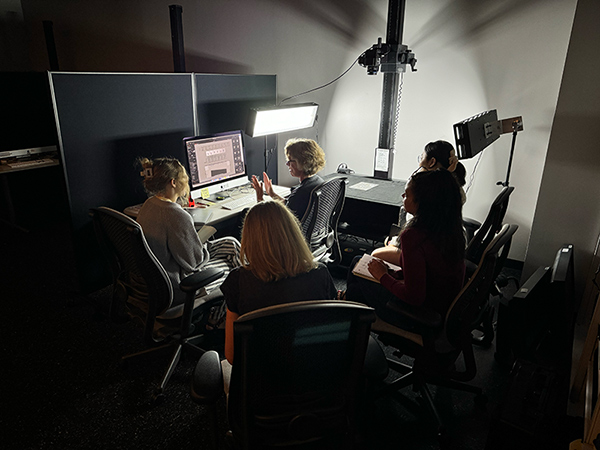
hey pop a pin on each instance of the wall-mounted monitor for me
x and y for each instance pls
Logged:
(216, 162)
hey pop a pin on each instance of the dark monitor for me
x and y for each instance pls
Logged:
(474, 134)
(525, 323)
(216, 162)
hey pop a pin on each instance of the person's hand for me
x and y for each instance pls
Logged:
(258, 187)
(268, 185)
(377, 268)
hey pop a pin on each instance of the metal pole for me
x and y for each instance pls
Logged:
(389, 98)
(176, 12)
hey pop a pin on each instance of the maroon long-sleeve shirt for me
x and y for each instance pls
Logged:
(425, 277)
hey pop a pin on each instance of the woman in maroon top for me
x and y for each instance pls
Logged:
(432, 257)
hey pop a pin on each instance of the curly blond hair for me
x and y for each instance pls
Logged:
(309, 156)
(159, 172)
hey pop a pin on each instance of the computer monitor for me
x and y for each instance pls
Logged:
(216, 162)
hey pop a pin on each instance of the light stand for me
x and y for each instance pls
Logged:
(516, 124)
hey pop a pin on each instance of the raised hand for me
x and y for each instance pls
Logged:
(268, 185)
(258, 187)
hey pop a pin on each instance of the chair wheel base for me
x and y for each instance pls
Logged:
(158, 398)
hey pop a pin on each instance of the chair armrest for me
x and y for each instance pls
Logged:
(422, 316)
(207, 382)
(471, 223)
(375, 367)
(200, 279)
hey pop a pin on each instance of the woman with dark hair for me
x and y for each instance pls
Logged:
(304, 159)
(170, 230)
(431, 262)
(441, 154)
(437, 155)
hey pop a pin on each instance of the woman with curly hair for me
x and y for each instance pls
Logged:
(304, 158)
(170, 230)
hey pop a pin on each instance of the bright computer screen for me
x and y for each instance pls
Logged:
(216, 162)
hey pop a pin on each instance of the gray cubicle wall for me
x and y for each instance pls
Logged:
(106, 120)
(223, 103)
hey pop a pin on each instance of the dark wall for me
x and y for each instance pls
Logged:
(223, 104)
(106, 121)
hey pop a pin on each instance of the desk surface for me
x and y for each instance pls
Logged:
(370, 189)
(219, 213)
(28, 158)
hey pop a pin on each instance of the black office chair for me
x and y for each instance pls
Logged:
(320, 221)
(296, 376)
(492, 225)
(437, 342)
(475, 248)
(142, 287)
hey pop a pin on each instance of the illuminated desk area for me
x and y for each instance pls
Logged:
(371, 205)
(213, 212)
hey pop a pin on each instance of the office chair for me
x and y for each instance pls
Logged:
(320, 221)
(296, 376)
(492, 225)
(142, 286)
(437, 342)
(475, 248)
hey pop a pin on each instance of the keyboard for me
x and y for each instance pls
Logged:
(30, 163)
(282, 191)
(246, 200)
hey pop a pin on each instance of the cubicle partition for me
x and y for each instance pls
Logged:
(105, 121)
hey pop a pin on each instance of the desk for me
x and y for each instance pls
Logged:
(372, 205)
(47, 157)
(219, 217)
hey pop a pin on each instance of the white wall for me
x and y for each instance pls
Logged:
(568, 207)
(473, 55)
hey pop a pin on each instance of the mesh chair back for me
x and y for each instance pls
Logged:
(320, 221)
(134, 264)
(297, 370)
(492, 224)
(465, 313)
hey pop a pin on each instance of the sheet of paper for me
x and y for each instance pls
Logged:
(382, 159)
(363, 186)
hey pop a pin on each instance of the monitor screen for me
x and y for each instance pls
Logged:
(216, 162)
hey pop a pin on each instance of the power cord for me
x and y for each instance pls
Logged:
(321, 87)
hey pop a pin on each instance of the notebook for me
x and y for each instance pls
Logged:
(361, 270)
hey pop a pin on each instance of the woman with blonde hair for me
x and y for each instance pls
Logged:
(277, 267)
(170, 230)
(304, 158)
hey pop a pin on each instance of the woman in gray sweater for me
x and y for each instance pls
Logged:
(170, 231)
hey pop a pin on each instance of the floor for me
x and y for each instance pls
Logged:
(65, 388)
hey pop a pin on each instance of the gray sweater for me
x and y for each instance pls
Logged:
(172, 238)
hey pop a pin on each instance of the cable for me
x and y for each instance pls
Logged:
(321, 87)
(395, 132)
(473, 173)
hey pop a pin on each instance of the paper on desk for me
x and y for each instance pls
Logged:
(363, 186)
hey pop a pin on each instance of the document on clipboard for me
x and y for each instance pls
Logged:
(361, 270)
